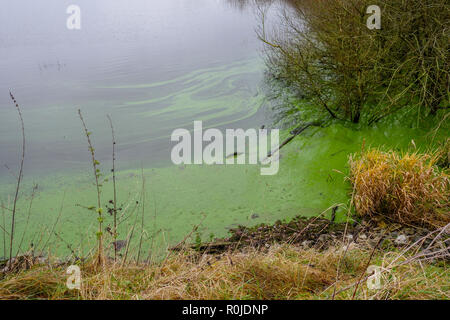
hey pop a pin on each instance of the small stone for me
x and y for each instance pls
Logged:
(307, 243)
(401, 239)
(363, 236)
(41, 260)
(255, 216)
(351, 246)
(119, 244)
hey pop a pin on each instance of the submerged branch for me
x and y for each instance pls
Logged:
(295, 133)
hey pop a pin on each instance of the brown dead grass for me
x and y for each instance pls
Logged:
(407, 188)
(282, 272)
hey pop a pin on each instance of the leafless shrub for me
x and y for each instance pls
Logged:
(324, 53)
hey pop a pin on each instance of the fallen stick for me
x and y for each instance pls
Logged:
(295, 133)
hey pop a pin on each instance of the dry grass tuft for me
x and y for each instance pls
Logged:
(35, 284)
(407, 188)
(281, 273)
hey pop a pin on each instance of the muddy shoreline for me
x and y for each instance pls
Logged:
(320, 234)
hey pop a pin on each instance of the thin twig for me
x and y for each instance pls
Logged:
(19, 179)
(4, 231)
(56, 222)
(367, 265)
(114, 185)
(95, 164)
(347, 247)
(142, 218)
(28, 218)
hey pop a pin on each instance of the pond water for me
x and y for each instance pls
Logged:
(154, 66)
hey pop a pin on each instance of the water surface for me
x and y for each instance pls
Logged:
(152, 65)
